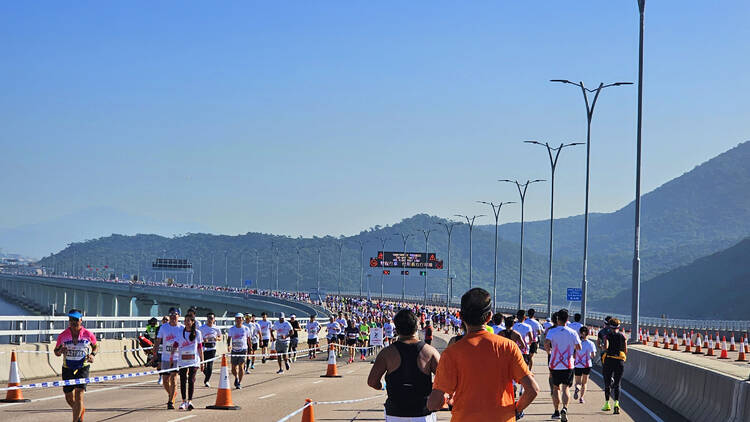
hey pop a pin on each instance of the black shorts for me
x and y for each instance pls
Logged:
(312, 341)
(264, 342)
(71, 374)
(581, 371)
(561, 376)
(527, 359)
(533, 347)
(342, 336)
(239, 359)
(293, 342)
(351, 342)
(254, 346)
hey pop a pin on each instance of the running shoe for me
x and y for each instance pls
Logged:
(564, 415)
(263, 359)
(616, 410)
(252, 366)
(575, 394)
(581, 400)
(247, 371)
(606, 407)
(190, 406)
(286, 364)
(159, 381)
(280, 371)
(236, 383)
(183, 405)
(556, 415)
(206, 384)
(170, 405)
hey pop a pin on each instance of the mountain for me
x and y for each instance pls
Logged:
(715, 287)
(696, 214)
(40, 239)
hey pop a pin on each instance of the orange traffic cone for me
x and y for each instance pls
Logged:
(331, 371)
(732, 345)
(656, 338)
(718, 342)
(684, 339)
(724, 348)
(224, 395)
(698, 345)
(710, 348)
(688, 349)
(675, 346)
(14, 380)
(308, 415)
(741, 357)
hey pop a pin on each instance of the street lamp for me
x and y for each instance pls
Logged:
(299, 274)
(470, 223)
(242, 268)
(635, 313)
(361, 264)
(553, 166)
(448, 281)
(405, 238)
(226, 268)
(589, 117)
(318, 274)
(339, 245)
(496, 212)
(368, 286)
(426, 234)
(522, 192)
(382, 239)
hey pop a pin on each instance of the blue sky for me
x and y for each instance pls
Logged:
(331, 117)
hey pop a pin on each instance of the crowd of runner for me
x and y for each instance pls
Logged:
(480, 342)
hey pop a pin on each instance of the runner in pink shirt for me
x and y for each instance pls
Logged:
(78, 345)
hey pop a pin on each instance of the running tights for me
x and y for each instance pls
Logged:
(612, 372)
(208, 367)
(187, 375)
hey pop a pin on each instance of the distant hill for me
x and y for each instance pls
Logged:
(715, 287)
(696, 214)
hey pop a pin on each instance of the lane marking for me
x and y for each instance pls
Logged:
(182, 418)
(317, 382)
(643, 407)
(266, 396)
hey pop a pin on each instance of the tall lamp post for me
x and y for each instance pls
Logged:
(405, 238)
(426, 234)
(299, 274)
(226, 268)
(361, 264)
(522, 193)
(242, 268)
(635, 315)
(382, 240)
(553, 166)
(368, 286)
(589, 116)
(496, 212)
(448, 276)
(340, 246)
(470, 223)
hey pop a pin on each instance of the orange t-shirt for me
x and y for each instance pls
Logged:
(477, 371)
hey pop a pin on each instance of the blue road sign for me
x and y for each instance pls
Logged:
(248, 282)
(575, 294)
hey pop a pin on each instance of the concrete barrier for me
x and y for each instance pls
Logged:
(699, 394)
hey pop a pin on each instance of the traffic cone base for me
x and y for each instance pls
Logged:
(14, 380)
(224, 395)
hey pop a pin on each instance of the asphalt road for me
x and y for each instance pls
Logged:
(266, 396)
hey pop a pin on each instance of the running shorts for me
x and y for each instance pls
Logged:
(264, 342)
(527, 358)
(254, 346)
(312, 341)
(351, 341)
(342, 336)
(293, 342)
(581, 371)
(282, 346)
(533, 347)
(561, 376)
(238, 357)
(71, 374)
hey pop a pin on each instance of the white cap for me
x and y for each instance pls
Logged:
(281, 315)
(238, 315)
(292, 316)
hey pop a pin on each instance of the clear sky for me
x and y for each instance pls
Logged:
(331, 117)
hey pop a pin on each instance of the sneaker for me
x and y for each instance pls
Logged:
(190, 406)
(170, 405)
(556, 415)
(575, 394)
(159, 381)
(606, 407)
(581, 400)
(286, 364)
(616, 411)
(183, 405)
(206, 384)
(280, 371)
(564, 415)
(263, 359)
(252, 366)
(247, 371)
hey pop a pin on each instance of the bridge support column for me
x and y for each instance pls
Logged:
(108, 305)
(123, 306)
(144, 307)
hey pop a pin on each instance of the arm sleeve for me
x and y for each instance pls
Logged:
(518, 368)
(92, 338)
(446, 377)
(59, 341)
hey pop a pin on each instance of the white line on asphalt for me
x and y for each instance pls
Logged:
(317, 382)
(183, 418)
(89, 392)
(267, 396)
(349, 372)
(641, 405)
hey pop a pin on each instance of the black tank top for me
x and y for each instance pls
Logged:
(616, 344)
(407, 386)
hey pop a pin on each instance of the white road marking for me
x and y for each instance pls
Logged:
(266, 396)
(349, 372)
(641, 405)
(317, 382)
(183, 418)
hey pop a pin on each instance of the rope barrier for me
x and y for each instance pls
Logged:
(301, 409)
(49, 352)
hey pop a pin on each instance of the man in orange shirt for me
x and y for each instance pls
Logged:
(476, 373)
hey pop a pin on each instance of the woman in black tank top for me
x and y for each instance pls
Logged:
(408, 387)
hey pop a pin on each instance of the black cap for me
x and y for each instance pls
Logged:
(173, 311)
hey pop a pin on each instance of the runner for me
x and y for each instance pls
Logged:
(191, 358)
(283, 331)
(351, 334)
(150, 333)
(388, 331)
(536, 331)
(332, 331)
(247, 323)
(169, 335)
(238, 338)
(364, 337)
(294, 337)
(159, 350)
(210, 335)
(312, 328)
(79, 347)
(525, 331)
(576, 324)
(428, 333)
(343, 324)
(602, 336)
(561, 343)
(613, 364)
(254, 340)
(265, 335)
(584, 362)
